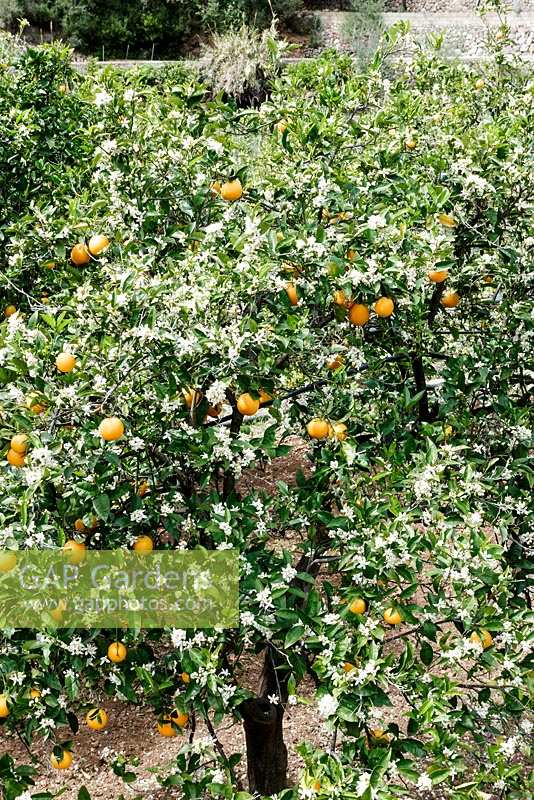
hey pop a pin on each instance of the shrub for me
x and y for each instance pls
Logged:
(243, 64)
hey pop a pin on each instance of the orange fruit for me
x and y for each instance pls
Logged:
(318, 428)
(358, 606)
(265, 397)
(392, 616)
(247, 405)
(57, 612)
(79, 526)
(339, 431)
(4, 710)
(359, 314)
(335, 361)
(75, 551)
(340, 298)
(19, 443)
(143, 544)
(191, 396)
(438, 275)
(98, 244)
(117, 652)
(62, 763)
(79, 254)
(65, 362)
(384, 307)
(8, 560)
(166, 726)
(185, 676)
(485, 639)
(111, 429)
(447, 220)
(232, 190)
(35, 694)
(450, 300)
(15, 459)
(215, 187)
(97, 719)
(9, 311)
(36, 407)
(291, 291)
(348, 667)
(317, 785)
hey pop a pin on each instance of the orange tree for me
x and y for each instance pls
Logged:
(192, 291)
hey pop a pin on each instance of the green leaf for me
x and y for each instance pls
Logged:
(293, 635)
(102, 506)
(426, 653)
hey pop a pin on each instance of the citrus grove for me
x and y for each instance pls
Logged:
(196, 293)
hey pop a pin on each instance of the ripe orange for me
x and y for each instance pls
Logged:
(392, 616)
(57, 612)
(447, 220)
(359, 314)
(98, 244)
(318, 428)
(384, 307)
(265, 397)
(76, 551)
(166, 726)
(291, 291)
(340, 298)
(19, 443)
(438, 275)
(348, 667)
(232, 190)
(143, 544)
(62, 763)
(335, 361)
(117, 652)
(185, 676)
(339, 431)
(79, 254)
(485, 639)
(9, 311)
(215, 187)
(247, 405)
(111, 429)
(35, 694)
(65, 362)
(15, 459)
(450, 300)
(8, 560)
(97, 719)
(358, 606)
(4, 710)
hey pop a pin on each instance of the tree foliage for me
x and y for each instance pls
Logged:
(354, 182)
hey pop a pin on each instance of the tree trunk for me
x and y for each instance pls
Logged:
(263, 723)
